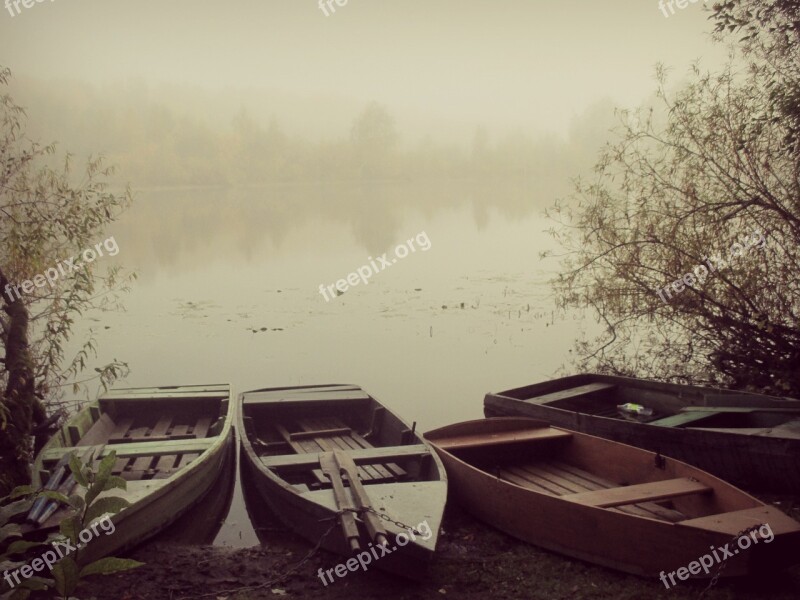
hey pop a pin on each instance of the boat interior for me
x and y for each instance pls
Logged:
(691, 410)
(599, 473)
(155, 432)
(292, 429)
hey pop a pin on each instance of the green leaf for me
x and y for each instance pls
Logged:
(103, 475)
(109, 565)
(77, 470)
(115, 482)
(22, 490)
(9, 531)
(21, 546)
(14, 509)
(57, 496)
(71, 527)
(77, 502)
(110, 504)
(107, 464)
(37, 583)
(10, 565)
(65, 573)
(18, 594)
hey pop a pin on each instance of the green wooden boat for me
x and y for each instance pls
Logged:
(318, 455)
(171, 443)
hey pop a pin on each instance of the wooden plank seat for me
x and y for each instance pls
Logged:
(303, 435)
(738, 520)
(303, 462)
(742, 409)
(683, 418)
(560, 479)
(140, 463)
(132, 450)
(576, 392)
(478, 441)
(642, 492)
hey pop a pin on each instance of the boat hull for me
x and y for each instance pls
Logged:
(640, 546)
(154, 503)
(312, 514)
(755, 462)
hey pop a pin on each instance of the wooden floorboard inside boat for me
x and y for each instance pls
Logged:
(557, 478)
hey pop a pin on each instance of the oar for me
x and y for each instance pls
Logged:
(66, 487)
(40, 504)
(346, 517)
(372, 521)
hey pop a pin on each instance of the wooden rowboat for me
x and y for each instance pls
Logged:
(171, 443)
(320, 455)
(750, 440)
(608, 503)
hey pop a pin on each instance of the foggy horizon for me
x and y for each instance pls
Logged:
(512, 67)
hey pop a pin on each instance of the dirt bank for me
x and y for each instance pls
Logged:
(474, 561)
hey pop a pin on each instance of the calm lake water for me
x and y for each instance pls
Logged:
(228, 291)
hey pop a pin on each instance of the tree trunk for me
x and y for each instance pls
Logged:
(19, 398)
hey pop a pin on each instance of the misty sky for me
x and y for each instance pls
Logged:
(526, 63)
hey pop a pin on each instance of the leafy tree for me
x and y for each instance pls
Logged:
(769, 33)
(673, 191)
(47, 216)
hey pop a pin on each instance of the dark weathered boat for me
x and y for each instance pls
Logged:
(610, 504)
(320, 455)
(171, 444)
(751, 440)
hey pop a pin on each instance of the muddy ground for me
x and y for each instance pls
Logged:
(473, 561)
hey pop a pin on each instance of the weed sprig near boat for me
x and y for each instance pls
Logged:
(62, 549)
(362, 559)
